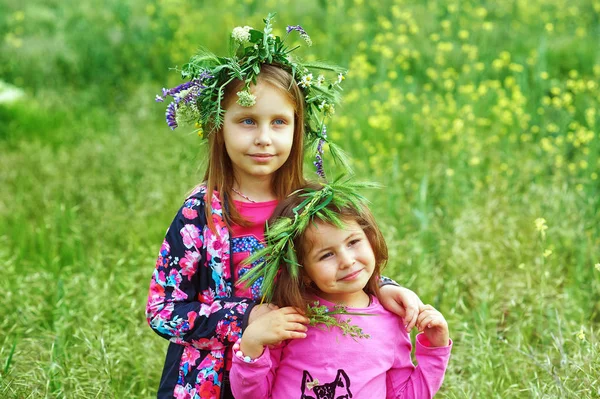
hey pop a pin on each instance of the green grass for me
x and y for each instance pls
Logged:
(90, 178)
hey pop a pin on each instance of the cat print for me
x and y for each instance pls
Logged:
(338, 389)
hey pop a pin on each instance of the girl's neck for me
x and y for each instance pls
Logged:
(359, 299)
(257, 190)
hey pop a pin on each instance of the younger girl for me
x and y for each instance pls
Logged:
(341, 251)
(255, 114)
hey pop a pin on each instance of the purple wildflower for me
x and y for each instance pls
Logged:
(297, 28)
(194, 89)
(302, 32)
(170, 114)
(319, 165)
(319, 157)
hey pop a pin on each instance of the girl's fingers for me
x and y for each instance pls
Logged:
(410, 319)
(296, 335)
(424, 323)
(298, 318)
(296, 327)
(422, 315)
(435, 322)
(424, 307)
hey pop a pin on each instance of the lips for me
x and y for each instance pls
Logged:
(261, 157)
(351, 276)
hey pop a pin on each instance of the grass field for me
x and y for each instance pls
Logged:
(480, 119)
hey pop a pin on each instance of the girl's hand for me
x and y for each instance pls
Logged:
(403, 302)
(434, 326)
(271, 328)
(260, 310)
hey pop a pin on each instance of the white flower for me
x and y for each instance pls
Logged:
(241, 34)
(306, 80)
(320, 80)
(340, 78)
(246, 99)
(329, 109)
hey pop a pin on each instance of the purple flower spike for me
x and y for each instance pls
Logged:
(301, 31)
(159, 99)
(297, 28)
(171, 110)
(319, 165)
(319, 162)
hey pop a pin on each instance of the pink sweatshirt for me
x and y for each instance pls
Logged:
(327, 364)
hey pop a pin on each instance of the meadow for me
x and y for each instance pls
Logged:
(479, 118)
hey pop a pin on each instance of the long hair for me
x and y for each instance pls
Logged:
(291, 292)
(219, 172)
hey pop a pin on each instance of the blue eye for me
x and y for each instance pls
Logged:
(247, 121)
(279, 122)
(353, 242)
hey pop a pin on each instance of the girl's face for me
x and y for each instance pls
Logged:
(259, 139)
(339, 261)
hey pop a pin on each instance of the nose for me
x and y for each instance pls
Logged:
(263, 135)
(346, 259)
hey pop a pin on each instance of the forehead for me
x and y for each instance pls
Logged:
(320, 234)
(270, 99)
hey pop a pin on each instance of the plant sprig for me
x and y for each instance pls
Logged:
(321, 315)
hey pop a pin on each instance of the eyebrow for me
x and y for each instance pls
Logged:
(248, 114)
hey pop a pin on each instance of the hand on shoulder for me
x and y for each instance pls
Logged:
(271, 328)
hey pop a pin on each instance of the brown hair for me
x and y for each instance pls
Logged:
(219, 171)
(290, 292)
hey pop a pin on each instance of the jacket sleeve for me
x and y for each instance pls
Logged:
(255, 379)
(189, 300)
(383, 280)
(406, 381)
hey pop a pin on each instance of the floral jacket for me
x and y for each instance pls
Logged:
(191, 304)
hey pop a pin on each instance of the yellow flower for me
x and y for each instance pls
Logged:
(581, 335)
(547, 253)
(540, 225)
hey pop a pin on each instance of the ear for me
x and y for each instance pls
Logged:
(342, 380)
(305, 278)
(306, 378)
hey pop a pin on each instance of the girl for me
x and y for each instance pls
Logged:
(255, 114)
(342, 252)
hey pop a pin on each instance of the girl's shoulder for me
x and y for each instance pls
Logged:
(198, 192)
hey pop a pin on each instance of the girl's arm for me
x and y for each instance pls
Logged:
(261, 347)
(189, 301)
(432, 351)
(254, 379)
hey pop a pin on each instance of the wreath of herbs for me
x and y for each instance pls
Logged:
(198, 102)
(279, 250)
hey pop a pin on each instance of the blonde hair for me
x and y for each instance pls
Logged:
(219, 172)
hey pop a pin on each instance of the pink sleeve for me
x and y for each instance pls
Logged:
(255, 379)
(423, 381)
